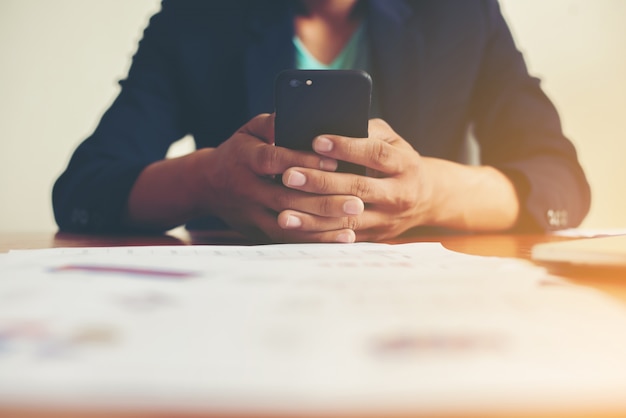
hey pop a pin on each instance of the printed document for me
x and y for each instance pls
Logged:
(320, 328)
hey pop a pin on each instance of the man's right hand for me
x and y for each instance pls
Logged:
(237, 186)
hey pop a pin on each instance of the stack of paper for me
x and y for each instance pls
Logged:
(303, 328)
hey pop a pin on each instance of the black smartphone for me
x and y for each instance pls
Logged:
(309, 103)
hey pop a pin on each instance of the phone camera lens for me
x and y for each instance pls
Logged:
(295, 83)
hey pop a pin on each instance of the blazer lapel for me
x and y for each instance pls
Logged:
(270, 50)
(396, 49)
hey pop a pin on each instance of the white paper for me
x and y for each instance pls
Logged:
(304, 328)
(589, 232)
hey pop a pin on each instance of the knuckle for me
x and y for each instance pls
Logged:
(360, 187)
(415, 164)
(377, 125)
(267, 160)
(325, 206)
(405, 204)
(323, 184)
(349, 147)
(406, 201)
(283, 201)
(379, 153)
(377, 122)
(351, 222)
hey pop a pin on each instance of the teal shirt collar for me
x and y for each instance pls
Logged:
(354, 55)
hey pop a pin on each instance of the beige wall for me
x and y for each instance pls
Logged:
(578, 49)
(61, 61)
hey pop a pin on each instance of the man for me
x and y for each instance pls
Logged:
(439, 68)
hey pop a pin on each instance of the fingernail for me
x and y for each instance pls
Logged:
(353, 207)
(328, 164)
(346, 237)
(296, 178)
(293, 222)
(322, 144)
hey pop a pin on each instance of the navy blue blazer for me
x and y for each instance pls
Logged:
(440, 68)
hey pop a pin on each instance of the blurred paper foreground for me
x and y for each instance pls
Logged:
(317, 328)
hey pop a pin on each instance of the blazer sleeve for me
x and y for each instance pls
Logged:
(520, 133)
(136, 130)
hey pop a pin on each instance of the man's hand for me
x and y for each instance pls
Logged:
(403, 189)
(238, 186)
(396, 195)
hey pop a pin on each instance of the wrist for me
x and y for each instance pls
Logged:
(476, 198)
(431, 196)
(199, 182)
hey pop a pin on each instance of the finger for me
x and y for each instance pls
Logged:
(267, 160)
(275, 233)
(301, 221)
(344, 236)
(368, 189)
(261, 126)
(280, 198)
(369, 152)
(384, 151)
(372, 225)
(379, 129)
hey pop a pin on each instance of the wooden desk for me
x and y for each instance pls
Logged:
(518, 246)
